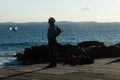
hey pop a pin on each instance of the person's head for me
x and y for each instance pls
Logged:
(51, 20)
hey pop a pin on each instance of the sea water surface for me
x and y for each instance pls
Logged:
(12, 42)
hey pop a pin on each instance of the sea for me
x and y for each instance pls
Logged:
(12, 42)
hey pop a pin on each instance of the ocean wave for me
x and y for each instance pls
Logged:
(11, 48)
(19, 44)
(9, 62)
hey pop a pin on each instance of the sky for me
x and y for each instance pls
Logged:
(61, 10)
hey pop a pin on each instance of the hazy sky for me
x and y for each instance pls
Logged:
(62, 10)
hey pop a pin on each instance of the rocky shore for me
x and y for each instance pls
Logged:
(100, 70)
(100, 63)
(82, 53)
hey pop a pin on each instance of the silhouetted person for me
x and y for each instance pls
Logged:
(53, 32)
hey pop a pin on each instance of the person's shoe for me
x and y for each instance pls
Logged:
(50, 66)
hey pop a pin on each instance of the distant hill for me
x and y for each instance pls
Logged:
(63, 23)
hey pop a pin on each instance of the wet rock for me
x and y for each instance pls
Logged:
(83, 53)
(19, 56)
(79, 60)
(91, 43)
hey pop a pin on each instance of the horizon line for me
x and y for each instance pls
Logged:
(63, 21)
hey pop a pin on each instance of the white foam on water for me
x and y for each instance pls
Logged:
(9, 62)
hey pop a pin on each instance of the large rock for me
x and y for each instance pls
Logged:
(72, 54)
(83, 53)
(104, 52)
(91, 43)
(40, 54)
(36, 54)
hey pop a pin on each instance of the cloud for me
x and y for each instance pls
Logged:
(117, 1)
(86, 9)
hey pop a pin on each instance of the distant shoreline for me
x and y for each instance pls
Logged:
(61, 22)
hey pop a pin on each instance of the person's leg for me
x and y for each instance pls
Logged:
(53, 56)
(52, 51)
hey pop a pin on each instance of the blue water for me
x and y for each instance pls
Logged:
(26, 36)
